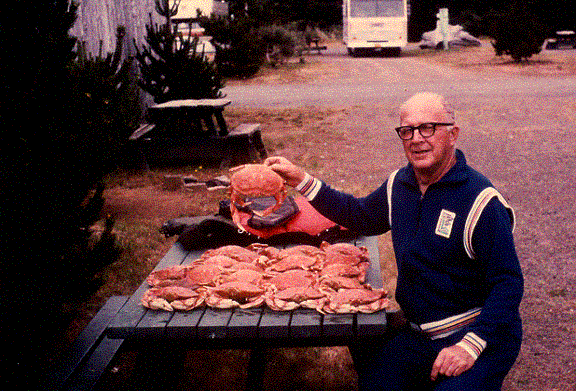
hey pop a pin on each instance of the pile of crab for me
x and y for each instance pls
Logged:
(329, 278)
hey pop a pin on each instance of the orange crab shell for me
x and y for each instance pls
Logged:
(357, 300)
(291, 278)
(172, 297)
(255, 180)
(294, 297)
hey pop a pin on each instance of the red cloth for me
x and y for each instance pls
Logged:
(307, 220)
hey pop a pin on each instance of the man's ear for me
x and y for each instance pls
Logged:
(454, 132)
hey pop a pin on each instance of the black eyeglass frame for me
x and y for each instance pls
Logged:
(419, 127)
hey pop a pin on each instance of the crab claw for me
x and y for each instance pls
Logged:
(160, 304)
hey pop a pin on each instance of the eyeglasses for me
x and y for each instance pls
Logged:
(426, 129)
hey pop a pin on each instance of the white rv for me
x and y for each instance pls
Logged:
(375, 25)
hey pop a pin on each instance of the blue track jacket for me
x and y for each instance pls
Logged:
(441, 273)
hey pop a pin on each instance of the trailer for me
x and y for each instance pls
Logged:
(375, 25)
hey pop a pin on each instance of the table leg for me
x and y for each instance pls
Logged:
(259, 145)
(256, 369)
(221, 123)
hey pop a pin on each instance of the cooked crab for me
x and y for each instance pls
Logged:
(244, 275)
(295, 261)
(222, 261)
(294, 297)
(291, 278)
(345, 253)
(255, 180)
(172, 297)
(339, 282)
(235, 294)
(188, 276)
(365, 300)
(343, 270)
(201, 275)
(302, 249)
(238, 253)
(167, 276)
(263, 249)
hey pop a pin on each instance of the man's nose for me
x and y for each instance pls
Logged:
(417, 136)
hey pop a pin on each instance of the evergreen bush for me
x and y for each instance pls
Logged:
(240, 49)
(51, 182)
(172, 68)
(517, 32)
(280, 42)
(106, 101)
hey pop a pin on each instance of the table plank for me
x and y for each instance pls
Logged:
(213, 323)
(371, 324)
(305, 323)
(274, 324)
(184, 324)
(85, 344)
(244, 323)
(153, 323)
(338, 325)
(178, 103)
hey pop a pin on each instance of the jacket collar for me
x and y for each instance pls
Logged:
(458, 173)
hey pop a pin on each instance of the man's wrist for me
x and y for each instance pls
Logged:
(309, 187)
(473, 344)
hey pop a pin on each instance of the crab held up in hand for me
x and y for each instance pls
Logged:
(255, 180)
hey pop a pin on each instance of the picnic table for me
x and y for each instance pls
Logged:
(125, 323)
(313, 44)
(191, 130)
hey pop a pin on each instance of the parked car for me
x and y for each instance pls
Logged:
(565, 39)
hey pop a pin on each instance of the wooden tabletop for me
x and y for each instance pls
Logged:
(184, 103)
(236, 328)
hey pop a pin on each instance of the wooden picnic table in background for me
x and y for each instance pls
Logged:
(195, 130)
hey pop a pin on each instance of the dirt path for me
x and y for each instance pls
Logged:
(335, 79)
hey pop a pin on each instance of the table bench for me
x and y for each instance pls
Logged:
(124, 322)
(314, 45)
(91, 353)
(194, 130)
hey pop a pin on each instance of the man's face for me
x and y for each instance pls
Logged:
(433, 153)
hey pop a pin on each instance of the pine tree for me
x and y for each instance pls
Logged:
(171, 66)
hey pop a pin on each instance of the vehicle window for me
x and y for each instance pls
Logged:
(376, 8)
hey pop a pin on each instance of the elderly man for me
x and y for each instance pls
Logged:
(459, 279)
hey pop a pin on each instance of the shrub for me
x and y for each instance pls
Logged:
(240, 49)
(280, 43)
(106, 101)
(517, 32)
(279, 37)
(171, 68)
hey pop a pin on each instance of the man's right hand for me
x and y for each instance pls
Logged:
(291, 173)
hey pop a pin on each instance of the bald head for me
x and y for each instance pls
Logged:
(428, 102)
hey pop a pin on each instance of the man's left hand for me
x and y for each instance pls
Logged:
(452, 361)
